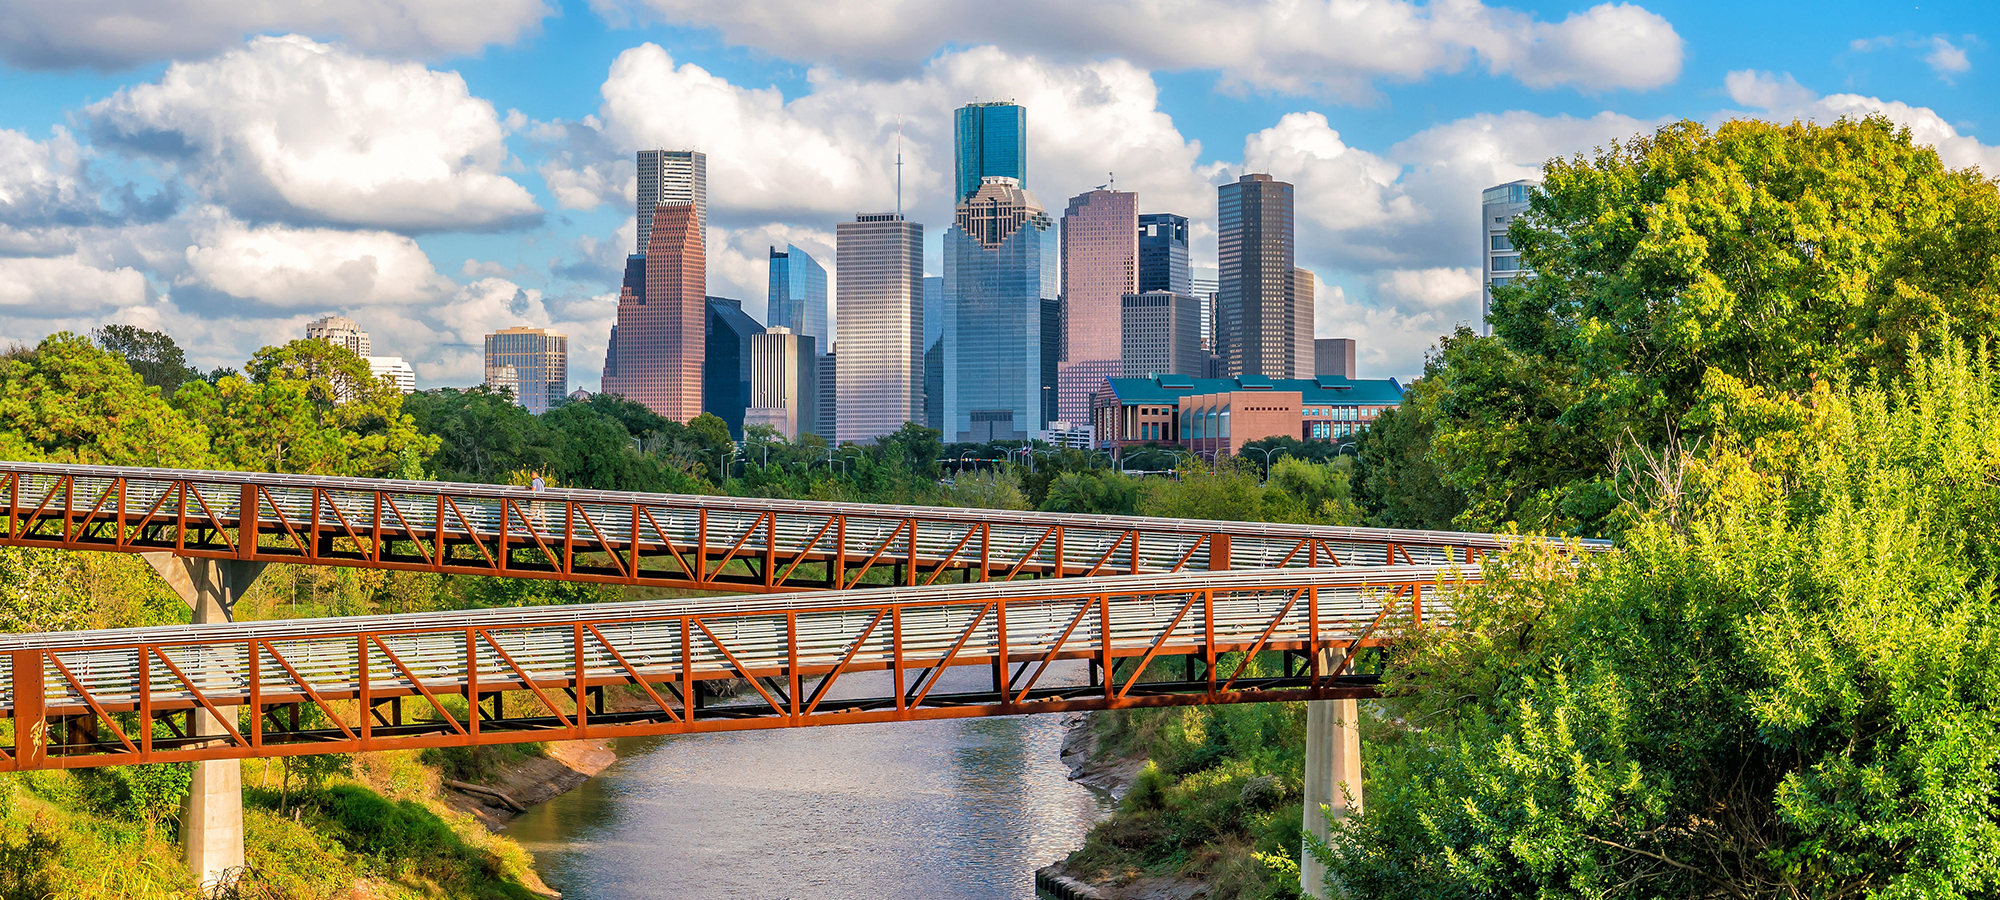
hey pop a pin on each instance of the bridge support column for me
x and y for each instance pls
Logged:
(212, 821)
(1333, 774)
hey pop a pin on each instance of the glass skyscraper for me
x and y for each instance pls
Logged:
(880, 370)
(934, 319)
(532, 361)
(725, 367)
(992, 140)
(1163, 254)
(797, 301)
(1000, 261)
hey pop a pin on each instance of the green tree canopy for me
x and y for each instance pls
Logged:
(308, 406)
(153, 355)
(67, 400)
(1786, 684)
(1780, 255)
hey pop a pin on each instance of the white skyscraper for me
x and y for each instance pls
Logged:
(1497, 208)
(339, 331)
(880, 326)
(672, 176)
(396, 370)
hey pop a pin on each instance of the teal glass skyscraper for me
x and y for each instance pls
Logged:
(798, 294)
(992, 141)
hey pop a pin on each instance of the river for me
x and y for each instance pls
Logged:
(966, 808)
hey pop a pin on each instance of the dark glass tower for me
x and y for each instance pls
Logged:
(1259, 321)
(725, 376)
(992, 140)
(1163, 254)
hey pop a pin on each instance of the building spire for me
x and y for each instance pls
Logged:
(899, 168)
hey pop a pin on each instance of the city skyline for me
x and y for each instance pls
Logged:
(143, 194)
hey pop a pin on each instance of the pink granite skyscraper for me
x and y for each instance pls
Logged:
(1100, 265)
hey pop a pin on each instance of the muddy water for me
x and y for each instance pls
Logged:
(946, 809)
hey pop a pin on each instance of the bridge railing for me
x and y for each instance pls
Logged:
(718, 543)
(117, 697)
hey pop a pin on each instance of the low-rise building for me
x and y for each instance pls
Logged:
(394, 369)
(1219, 415)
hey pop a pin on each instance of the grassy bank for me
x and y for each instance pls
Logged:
(1218, 802)
(373, 830)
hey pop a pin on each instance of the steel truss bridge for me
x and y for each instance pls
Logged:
(871, 606)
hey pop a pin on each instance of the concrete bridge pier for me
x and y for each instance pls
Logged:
(212, 821)
(1333, 773)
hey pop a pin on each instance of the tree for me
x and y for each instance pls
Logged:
(1103, 491)
(67, 400)
(310, 407)
(482, 435)
(1779, 255)
(1786, 684)
(152, 354)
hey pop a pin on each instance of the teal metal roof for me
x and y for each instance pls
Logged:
(1326, 390)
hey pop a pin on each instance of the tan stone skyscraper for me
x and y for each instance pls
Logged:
(1100, 265)
(1299, 326)
(657, 349)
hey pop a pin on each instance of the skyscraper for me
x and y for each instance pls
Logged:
(1100, 265)
(1161, 335)
(725, 366)
(339, 331)
(1334, 356)
(1497, 208)
(1299, 325)
(797, 301)
(935, 317)
(657, 348)
(1163, 254)
(1000, 260)
(881, 325)
(672, 176)
(532, 361)
(784, 382)
(992, 140)
(1257, 318)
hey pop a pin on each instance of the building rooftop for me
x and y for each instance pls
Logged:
(1330, 390)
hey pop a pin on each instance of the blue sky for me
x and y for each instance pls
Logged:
(441, 169)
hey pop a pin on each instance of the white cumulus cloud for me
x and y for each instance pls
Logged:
(286, 268)
(114, 34)
(288, 129)
(830, 153)
(1299, 46)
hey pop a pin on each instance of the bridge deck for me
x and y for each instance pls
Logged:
(699, 542)
(540, 673)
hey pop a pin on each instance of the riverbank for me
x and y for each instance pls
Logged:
(1096, 765)
(1209, 804)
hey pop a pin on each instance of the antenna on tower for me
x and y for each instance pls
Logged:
(899, 168)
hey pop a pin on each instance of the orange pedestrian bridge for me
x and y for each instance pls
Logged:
(842, 613)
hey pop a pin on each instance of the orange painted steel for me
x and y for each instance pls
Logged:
(78, 699)
(695, 542)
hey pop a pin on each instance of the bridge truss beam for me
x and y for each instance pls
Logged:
(689, 542)
(79, 699)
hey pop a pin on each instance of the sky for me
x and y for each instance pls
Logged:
(229, 170)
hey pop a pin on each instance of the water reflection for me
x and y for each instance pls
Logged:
(967, 808)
